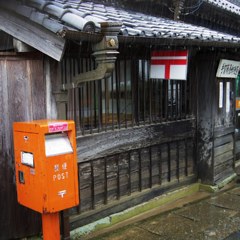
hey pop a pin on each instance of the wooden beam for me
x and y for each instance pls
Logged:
(33, 34)
(6, 42)
(109, 143)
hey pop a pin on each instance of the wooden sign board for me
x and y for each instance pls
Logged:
(228, 69)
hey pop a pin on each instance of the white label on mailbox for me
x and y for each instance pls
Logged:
(57, 144)
(27, 159)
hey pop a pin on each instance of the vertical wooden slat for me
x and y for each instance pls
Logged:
(91, 105)
(65, 72)
(136, 94)
(143, 94)
(88, 105)
(180, 99)
(139, 92)
(169, 162)
(177, 100)
(107, 97)
(161, 106)
(177, 163)
(140, 169)
(185, 99)
(125, 92)
(151, 97)
(105, 182)
(112, 89)
(129, 174)
(38, 90)
(166, 100)
(150, 167)
(133, 92)
(186, 157)
(92, 186)
(82, 108)
(79, 181)
(95, 118)
(62, 71)
(118, 178)
(76, 69)
(99, 105)
(171, 99)
(160, 165)
(118, 94)
(156, 102)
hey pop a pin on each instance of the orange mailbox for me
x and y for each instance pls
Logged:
(46, 166)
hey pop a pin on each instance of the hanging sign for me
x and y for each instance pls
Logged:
(169, 65)
(228, 69)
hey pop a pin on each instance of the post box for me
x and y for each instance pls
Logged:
(46, 166)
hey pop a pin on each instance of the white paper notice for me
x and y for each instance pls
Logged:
(220, 94)
(57, 144)
(27, 159)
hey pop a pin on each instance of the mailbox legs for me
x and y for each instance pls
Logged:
(50, 226)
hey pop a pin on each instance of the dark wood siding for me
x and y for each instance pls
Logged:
(223, 153)
(114, 166)
(22, 94)
(136, 135)
(215, 119)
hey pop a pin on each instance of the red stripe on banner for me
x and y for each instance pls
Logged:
(169, 53)
(169, 62)
(167, 71)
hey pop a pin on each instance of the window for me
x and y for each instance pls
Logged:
(128, 98)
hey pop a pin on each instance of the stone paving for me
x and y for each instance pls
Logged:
(217, 217)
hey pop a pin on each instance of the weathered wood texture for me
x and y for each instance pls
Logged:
(22, 98)
(215, 121)
(99, 145)
(32, 34)
(118, 164)
(6, 41)
(205, 66)
(79, 220)
(237, 151)
(223, 153)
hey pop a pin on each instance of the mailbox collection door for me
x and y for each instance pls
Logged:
(29, 176)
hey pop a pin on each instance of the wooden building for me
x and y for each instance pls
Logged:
(137, 136)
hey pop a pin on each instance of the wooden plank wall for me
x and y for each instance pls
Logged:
(237, 152)
(223, 160)
(116, 170)
(215, 121)
(22, 98)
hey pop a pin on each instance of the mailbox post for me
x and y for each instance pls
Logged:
(46, 169)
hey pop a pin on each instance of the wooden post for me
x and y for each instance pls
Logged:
(178, 5)
(50, 226)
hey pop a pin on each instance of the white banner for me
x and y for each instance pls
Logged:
(169, 65)
(228, 69)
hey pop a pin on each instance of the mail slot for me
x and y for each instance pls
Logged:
(46, 166)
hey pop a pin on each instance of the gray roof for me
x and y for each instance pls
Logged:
(57, 15)
(229, 5)
(75, 15)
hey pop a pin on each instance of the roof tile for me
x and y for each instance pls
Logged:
(87, 16)
(226, 5)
